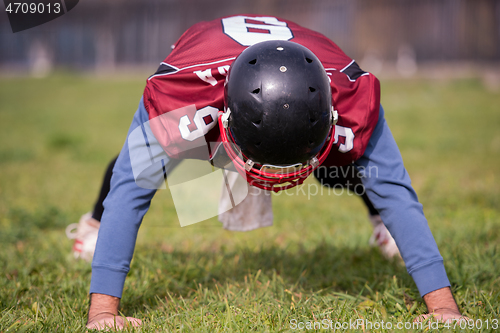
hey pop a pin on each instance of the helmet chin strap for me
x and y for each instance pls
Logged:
(267, 180)
(225, 118)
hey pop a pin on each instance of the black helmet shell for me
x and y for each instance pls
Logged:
(280, 101)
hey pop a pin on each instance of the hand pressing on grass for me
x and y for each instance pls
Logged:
(106, 321)
(441, 307)
(103, 314)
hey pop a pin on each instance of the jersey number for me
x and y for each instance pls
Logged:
(348, 135)
(204, 119)
(251, 30)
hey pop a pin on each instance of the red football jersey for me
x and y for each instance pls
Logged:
(187, 91)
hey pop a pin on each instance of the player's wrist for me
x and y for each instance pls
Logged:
(441, 300)
(101, 305)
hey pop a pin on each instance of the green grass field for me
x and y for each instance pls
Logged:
(57, 135)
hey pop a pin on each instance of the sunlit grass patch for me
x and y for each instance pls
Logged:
(314, 264)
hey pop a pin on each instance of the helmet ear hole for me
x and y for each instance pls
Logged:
(253, 62)
(309, 60)
(256, 91)
(311, 89)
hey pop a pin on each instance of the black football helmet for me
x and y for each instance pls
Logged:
(278, 114)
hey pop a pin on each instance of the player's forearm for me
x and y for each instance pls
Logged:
(441, 299)
(389, 188)
(125, 206)
(101, 304)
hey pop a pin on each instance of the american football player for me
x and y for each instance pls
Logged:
(280, 102)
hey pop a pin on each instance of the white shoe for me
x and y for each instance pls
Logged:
(85, 235)
(382, 238)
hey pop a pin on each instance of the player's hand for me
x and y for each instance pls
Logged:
(103, 314)
(442, 307)
(448, 316)
(106, 321)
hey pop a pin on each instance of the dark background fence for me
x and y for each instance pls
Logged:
(109, 34)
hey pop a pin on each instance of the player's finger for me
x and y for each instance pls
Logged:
(134, 321)
(421, 318)
(444, 318)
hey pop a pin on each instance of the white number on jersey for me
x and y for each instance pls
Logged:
(348, 134)
(206, 75)
(204, 119)
(251, 30)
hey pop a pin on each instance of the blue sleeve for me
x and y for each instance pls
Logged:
(124, 209)
(389, 188)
